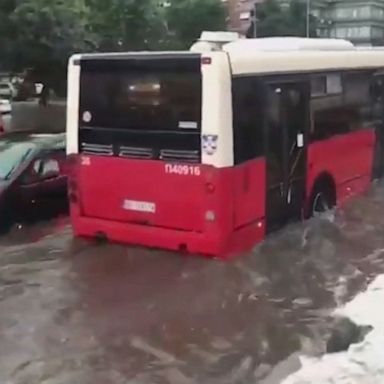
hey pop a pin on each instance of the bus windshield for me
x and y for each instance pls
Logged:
(141, 94)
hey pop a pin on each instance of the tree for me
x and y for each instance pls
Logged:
(186, 19)
(122, 24)
(42, 34)
(297, 16)
(7, 31)
(47, 32)
(275, 20)
(153, 24)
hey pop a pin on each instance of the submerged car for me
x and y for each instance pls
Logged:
(5, 106)
(33, 181)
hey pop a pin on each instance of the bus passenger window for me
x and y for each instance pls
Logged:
(328, 117)
(358, 99)
(247, 119)
(318, 86)
(377, 96)
(336, 114)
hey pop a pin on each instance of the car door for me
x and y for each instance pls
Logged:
(43, 188)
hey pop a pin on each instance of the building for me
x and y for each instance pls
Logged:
(360, 21)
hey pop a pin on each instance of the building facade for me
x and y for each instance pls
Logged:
(360, 21)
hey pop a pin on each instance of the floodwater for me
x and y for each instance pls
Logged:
(78, 312)
(28, 115)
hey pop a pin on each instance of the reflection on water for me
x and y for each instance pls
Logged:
(82, 312)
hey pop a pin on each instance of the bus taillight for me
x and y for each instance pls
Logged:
(206, 60)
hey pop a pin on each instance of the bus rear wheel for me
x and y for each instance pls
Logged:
(323, 199)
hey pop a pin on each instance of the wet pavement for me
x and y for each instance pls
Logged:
(73, 312)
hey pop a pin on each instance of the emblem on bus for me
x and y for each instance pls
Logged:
(209, 144)
(87, 117)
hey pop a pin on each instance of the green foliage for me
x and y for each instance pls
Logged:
(274, 20)
(42, 34)
(187, 18)
(7, 32)
(121, 24)
(48, 31)
(146, 24)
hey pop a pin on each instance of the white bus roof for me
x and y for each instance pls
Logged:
(288, 44)
(289, 55)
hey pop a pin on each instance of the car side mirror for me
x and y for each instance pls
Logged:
(52, 174)
(50, 169)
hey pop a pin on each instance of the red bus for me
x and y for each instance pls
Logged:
(210, 151)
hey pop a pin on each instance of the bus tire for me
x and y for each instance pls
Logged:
(323, 196)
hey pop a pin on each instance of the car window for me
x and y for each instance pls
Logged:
(12, 156)
(50, 167)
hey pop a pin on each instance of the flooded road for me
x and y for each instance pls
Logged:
(28, 115)
(79, 312)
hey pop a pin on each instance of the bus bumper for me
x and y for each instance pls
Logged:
(212, 245)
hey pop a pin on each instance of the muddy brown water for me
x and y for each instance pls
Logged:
(78, 312)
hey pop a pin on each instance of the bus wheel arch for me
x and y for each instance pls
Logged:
(323, 195)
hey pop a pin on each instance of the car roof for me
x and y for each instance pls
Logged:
(41, 140)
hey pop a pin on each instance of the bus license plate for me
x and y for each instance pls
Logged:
(139, 206)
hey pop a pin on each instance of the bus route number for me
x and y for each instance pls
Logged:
(182, 170)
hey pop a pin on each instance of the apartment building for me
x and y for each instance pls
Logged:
(360, 21)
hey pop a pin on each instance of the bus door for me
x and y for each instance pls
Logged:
(286, 125)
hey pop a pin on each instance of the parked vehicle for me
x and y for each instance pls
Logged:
(239, 140)
(5, 106)
(7, 91)
(33, 180)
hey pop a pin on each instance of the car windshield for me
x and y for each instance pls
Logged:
(12, 155)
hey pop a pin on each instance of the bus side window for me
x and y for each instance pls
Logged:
(326, 105)
(247, 119)
(377, 98)
(328, 117)
(358, 99)
(336, 113)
